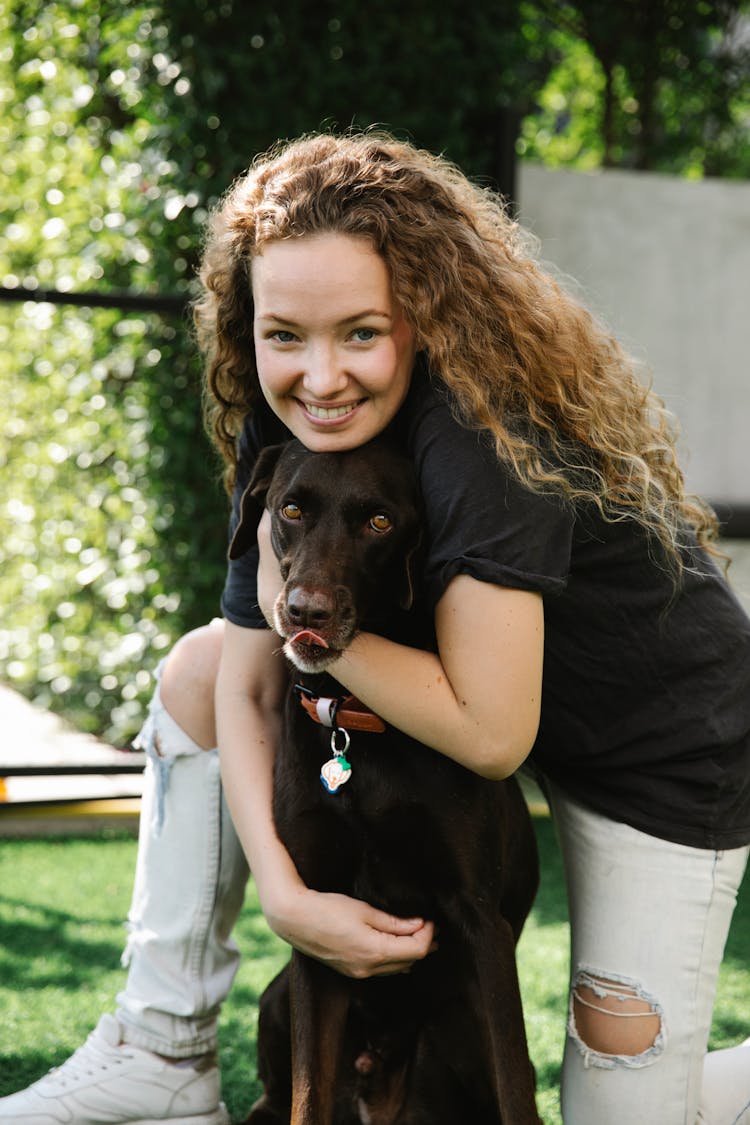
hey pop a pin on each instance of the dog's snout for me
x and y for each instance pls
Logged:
(310, 609)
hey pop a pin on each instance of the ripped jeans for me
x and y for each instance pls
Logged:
(649, 921)
(189, 887)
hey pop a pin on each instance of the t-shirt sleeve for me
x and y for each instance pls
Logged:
(239, 601)
(480, 519)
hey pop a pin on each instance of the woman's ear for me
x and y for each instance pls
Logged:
(253, 500)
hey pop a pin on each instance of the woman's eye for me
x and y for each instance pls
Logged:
(364, 335)
(291, 512)
(380, 523)
(281, 336)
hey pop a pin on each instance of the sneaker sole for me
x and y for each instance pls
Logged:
(217, 1117)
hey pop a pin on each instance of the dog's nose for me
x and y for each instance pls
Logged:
(309, 609)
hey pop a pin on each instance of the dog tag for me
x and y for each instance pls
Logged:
(336, 771)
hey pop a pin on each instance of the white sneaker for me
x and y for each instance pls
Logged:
(108, 1082)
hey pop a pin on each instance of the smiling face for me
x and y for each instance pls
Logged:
(333, 351)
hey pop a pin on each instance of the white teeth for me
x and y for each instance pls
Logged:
(324, 413)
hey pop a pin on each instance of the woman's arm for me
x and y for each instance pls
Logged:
(349, 935)
(478, 699)
(249, 694)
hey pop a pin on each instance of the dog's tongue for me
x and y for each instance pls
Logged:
(307, 637)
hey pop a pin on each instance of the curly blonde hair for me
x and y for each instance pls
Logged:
(522, 359)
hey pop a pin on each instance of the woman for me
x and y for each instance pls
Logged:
(353, 285)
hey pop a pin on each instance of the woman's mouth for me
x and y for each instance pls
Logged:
(330, 413)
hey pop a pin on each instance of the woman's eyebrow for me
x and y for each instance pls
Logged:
(281, 319)
(366, 313)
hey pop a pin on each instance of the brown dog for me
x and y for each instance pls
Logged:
(389, 821)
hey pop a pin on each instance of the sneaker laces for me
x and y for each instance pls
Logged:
(102, 1050)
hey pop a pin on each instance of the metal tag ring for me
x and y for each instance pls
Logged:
(345, 735)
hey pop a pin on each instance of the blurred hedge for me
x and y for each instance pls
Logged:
(112, 536)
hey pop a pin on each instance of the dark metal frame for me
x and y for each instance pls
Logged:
(130, 302)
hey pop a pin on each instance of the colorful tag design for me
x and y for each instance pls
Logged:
(335, 773)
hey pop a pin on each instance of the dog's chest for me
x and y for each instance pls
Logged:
(380, 780)
(393, 834)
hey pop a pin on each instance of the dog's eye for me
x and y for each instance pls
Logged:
(380, 523)
(291, 512)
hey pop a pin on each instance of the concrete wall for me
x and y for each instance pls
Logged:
(666, 263)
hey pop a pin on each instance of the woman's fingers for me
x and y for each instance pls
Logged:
(354, 938)
(401, 943)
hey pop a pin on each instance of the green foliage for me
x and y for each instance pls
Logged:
(112, 528)
(259, 73)
(87, 185)
(649, 84)
(112, 531)
(98, 544)
(564, 129)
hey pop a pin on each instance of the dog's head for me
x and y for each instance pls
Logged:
(345, 528)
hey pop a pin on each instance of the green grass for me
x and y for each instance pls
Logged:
(62, 905)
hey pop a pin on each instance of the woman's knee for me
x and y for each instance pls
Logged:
(188, 680)
(614, 1018)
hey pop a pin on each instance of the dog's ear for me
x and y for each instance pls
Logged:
(253, 499)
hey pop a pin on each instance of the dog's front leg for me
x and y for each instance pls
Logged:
(320, 1004)
(502, 1017)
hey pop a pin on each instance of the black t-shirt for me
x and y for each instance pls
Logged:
(646, 690)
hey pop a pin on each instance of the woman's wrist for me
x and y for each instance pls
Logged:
(281, 900)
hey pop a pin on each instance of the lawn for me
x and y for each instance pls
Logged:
(62, 905)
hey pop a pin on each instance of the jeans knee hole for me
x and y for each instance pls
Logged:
(614, 1021)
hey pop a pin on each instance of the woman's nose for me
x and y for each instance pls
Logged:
(324, 375)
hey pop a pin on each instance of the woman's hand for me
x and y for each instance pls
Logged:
(270, 582)
(350, 936)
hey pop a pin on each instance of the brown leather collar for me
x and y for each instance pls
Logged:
(347, 712)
